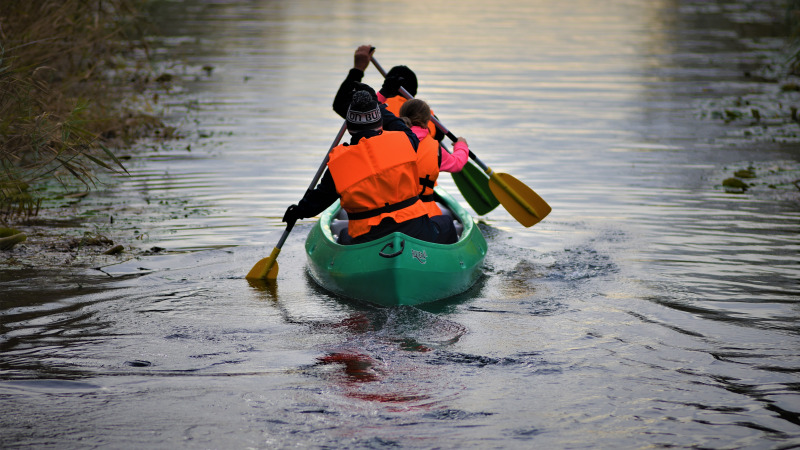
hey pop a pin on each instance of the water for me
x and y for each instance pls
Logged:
(650, 309)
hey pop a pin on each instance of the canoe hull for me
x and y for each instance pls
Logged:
(396, 269)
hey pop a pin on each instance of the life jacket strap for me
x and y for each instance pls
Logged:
(427, 182)
(383, 209)
(428, 198)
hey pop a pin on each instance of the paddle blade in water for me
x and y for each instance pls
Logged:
(518, 199)
(267, 268)
(473, 183)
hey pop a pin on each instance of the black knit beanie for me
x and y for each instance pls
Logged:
(409, 78)
(363, 113)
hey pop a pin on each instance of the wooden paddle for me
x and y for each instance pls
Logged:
(526, 206)
(267, 268)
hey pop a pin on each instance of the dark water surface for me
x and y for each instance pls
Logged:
(650, 309)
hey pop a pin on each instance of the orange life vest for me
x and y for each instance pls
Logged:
(428, 167)
(393, 104)
(377, 178)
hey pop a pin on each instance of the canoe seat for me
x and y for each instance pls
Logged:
(339, 223)
(337, 226)
(446, 212)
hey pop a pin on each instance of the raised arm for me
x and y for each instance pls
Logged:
(361, 59)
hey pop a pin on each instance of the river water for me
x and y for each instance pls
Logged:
(652, 308)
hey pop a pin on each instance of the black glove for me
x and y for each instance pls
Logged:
(391, 86)
(364, 87)
(292, 215)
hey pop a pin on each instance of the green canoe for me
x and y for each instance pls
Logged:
(396, 269)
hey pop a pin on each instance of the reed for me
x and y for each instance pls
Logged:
(793, 23)
(58, 118)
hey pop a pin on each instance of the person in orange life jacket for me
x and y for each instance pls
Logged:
(430, 157)
(389, 93)
(376, 179)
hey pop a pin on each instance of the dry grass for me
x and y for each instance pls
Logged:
(57, 110)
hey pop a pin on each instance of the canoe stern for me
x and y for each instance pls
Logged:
(396, 269)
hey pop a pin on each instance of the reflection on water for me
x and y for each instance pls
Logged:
(650, 309)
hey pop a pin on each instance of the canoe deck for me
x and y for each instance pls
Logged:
(396, 269)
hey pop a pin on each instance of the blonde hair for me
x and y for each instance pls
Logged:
(416, 111)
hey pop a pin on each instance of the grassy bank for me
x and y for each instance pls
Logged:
(59, 116)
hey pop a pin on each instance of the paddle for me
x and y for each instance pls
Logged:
(267, 268)
(526, 206)
(473, 183)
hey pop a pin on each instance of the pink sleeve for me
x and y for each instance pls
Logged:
(456, 161)
(381, 98)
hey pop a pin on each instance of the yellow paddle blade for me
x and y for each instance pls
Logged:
(267, 268)
(518, 199)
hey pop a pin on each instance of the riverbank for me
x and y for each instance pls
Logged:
(79, 90)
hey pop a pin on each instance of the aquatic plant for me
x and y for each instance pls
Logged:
(734, 184)
(58, 114)
(793, 22)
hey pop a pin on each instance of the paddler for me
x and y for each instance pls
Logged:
(430, 157)
(389, 93)
(376, 178)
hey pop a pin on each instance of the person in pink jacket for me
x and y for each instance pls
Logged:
(418, 115)
(431, 157)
